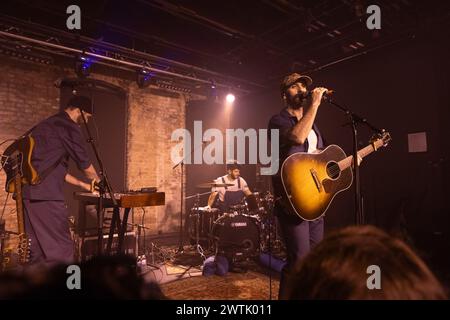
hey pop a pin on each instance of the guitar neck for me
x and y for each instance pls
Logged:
(19, 204)
(347, 162)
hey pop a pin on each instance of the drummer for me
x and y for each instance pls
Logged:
(229, 195)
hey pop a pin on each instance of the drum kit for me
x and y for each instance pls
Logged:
(244, 231)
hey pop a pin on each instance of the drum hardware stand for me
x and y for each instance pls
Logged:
(200, 251)
(181, 164)
(197, 232)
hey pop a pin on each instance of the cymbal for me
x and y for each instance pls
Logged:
(214, 185)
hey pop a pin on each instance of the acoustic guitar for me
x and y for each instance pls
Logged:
(312, 180)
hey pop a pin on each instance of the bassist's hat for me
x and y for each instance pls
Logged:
(82, 102)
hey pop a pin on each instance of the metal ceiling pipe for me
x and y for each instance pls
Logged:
(130, 64)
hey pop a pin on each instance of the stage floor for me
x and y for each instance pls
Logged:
(250, 285)
(180, 278)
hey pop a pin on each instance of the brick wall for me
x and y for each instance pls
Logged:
(28, 95)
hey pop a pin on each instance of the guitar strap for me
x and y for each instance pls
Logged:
(47, 171)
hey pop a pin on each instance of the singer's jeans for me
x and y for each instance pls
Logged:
(299, 237)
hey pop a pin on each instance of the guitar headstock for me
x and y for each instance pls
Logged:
(381, 139)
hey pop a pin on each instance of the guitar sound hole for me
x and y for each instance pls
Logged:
(333, 170)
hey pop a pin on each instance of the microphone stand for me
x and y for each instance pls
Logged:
(354, 120)
(181, 164)
(104, 186)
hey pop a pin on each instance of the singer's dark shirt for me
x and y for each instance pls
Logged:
(57, 139)
(285, 122)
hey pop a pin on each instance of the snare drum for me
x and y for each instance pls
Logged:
(236, 234)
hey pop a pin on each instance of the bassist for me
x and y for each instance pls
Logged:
(58, 138)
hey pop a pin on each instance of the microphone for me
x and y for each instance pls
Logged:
(326, 95)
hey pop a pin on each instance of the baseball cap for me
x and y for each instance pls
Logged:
(293, 78)
(82, 102)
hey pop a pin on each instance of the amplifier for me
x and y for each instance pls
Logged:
(87, 216)
(88, 248)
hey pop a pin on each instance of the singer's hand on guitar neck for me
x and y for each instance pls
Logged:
(316, 96)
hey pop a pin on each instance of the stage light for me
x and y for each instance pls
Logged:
(143, 78)
(230, 98)
(211, 92)
(83, 66)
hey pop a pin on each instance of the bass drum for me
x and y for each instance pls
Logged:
(236, 234)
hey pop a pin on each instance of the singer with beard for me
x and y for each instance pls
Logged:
(298, 133)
